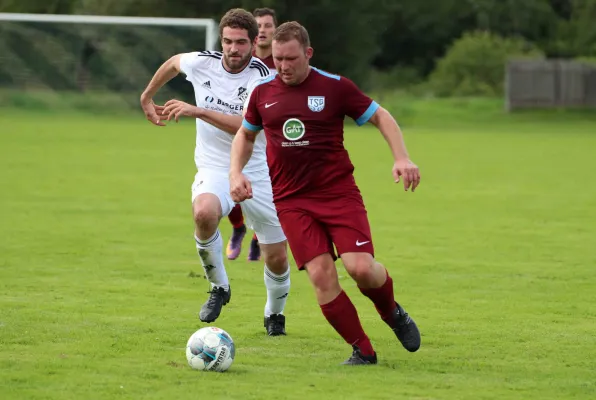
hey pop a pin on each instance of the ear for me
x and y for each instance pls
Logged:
(309, 52)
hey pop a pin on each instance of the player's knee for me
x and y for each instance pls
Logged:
(276, 261)
(360, 269)
(327, 285)
(205, 216)
(324, 279)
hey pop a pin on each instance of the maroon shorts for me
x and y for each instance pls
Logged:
(314, 226)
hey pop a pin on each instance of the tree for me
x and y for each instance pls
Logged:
(418, 32)
(36, 6)
(576, 35)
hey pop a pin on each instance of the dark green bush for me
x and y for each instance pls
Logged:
(474, 65)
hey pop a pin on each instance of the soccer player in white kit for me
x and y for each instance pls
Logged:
(222, 81)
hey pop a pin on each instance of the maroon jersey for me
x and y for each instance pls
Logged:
(268, 61)
(304, 129)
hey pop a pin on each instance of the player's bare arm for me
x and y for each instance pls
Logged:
(166, 72)
(174, 109)
(242, 148)
(403, 166)
(227, 123)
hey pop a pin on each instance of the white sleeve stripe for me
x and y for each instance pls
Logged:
(260, 64)
(208, 52)
(261, 67)
(210, 55)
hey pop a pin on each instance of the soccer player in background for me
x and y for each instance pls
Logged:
(302, 110)
(222, 81)
(266, 21)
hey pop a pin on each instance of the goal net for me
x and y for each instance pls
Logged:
(79, 57)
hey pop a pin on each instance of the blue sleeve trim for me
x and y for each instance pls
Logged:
(250, 126)
(267, 79)
(374, 106)
(327, 74)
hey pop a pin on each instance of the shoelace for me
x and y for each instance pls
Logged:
(213, 295)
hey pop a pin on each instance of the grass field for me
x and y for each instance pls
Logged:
(494, 256)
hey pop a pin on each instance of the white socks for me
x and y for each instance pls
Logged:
(278, 288)
(211, 254)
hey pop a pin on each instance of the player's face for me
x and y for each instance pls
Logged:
(291, 61)
(237, 48)
(266, 29)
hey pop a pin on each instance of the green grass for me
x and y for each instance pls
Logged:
(493, 256)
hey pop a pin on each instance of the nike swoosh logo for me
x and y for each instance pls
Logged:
(272, 104)
(361, 243)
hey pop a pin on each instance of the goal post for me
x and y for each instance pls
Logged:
(210, 25)
(59, 56)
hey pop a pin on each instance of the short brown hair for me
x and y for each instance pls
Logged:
(239, 18)
(261, 12)
(292, 30)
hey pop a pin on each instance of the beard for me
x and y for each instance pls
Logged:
(236, 64)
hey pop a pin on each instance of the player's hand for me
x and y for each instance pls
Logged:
(409, 172)
(240, 188)
(153, 112)
(176, 109)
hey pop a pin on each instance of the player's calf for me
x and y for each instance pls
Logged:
(390, 311)
(277, 281)
(335, 304)
(206, 212)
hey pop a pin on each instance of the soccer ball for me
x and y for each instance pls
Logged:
(210, 349)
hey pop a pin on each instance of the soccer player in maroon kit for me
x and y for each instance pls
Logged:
(266, 21)
(302, 110)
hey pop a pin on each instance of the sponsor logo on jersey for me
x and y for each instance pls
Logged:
(294, 130)
(316, 103)
(242, 93)
(215, 104)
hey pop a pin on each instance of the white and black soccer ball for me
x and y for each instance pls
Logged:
(210, 349)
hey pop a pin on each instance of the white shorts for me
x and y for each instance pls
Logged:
(259, 212)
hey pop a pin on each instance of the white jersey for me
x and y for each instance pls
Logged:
(219, 90)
